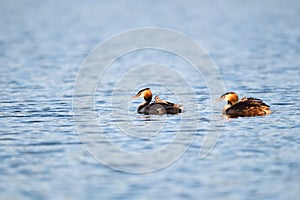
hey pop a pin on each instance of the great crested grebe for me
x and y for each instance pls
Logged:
(156, 108)
(246, 107)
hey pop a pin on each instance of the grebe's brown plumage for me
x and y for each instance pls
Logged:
(158, 100)
(156, 108)
(246, 107)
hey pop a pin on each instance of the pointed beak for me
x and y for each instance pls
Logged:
(136, 96)
(219, 99)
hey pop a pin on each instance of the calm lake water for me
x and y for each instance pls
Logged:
(254, 44)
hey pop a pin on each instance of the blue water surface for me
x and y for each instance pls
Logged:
(256, 46)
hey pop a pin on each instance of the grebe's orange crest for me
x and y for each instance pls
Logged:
(146, 93)
(231, 97)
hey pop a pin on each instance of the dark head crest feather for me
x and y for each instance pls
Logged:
(223, 95)
(142, 90)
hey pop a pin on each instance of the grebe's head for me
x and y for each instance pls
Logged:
(146, 93)
(156, 98)
(231, 97)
